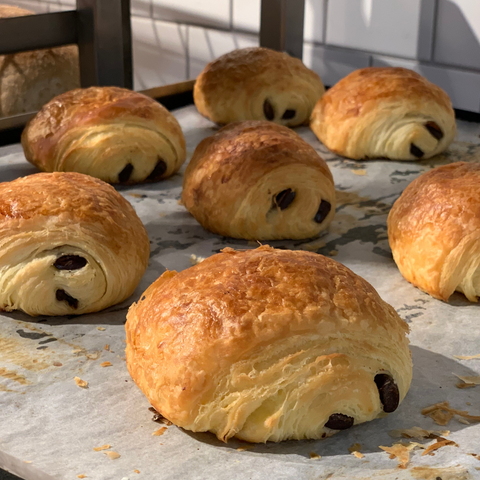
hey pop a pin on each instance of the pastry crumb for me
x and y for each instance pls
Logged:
(159, 432)
(112, 455)
(195, 260)
(359, 172)
(358, 454)
(27, 461)
(418, 433)
(333, 253)
(355, 448)
(103, 447)
(245, 448)
(467, 357)
(137, 471)
(401, 452)
(468, 380)
(441, 413)
(101, 329)
(441, 442)
(81, 383)
(314, 456)
(81, 476)
(106, 347)
(106, 364)
(57, 364)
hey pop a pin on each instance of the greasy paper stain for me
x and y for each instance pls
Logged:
(14, 351)
(14, 376)
(449, 473)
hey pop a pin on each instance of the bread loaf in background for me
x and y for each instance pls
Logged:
(28, 80)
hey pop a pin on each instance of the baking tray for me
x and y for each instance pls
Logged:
(49, 426)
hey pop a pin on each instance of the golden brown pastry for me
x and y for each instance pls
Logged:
(388, 112)
(28, 80)
(69, 244)
(260, 181)
(257, 84)
(110, 133)
(434, 231)
(267, 345)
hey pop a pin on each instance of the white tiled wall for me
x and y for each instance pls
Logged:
(174, 39)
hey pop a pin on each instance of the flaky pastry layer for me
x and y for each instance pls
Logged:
(267, 345)
(69, 244)
(434, 231)
(379, 112)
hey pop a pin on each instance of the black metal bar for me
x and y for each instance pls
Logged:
(281, 26)
(105, 43)
(33, 32)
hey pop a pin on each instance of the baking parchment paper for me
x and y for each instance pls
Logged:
(49, 426)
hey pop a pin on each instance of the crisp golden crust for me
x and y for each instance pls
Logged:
(233, 180)
(104, 131)
(30, 79)
(235, 87)
(434, 231)
(47, 216)
(381, 112)
(264, 345)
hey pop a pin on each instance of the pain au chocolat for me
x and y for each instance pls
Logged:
(257, 84)
(110, 133)
(69, 244)
(267, 345)
(260, 181)
(434, 231)
(391, 113)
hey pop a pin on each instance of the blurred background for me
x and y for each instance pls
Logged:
(174, 39)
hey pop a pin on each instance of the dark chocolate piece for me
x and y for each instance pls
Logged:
(323, 211)
(124, 175)
(415, 151)
(70, 262)
(434, 130)
(289, 114)
(284, 198)
(338, 421)
(268, 110)
(388, 390)
(62, 295)
(159, 169)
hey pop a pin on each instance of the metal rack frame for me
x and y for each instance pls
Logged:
(102, 31)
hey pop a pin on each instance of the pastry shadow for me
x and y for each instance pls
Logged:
(433, 382)
(17, 171)
(460, 300)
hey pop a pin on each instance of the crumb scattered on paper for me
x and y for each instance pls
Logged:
(93, 356)
(358, 454)
(418, 433)
(196, 259)
(81, 476)
(159, 432)
(463, 420)
(135, 195)
(467, 357)
(27, 461)
(333, 253)
(107, 347)
(441, 442)
(432, 473)
(137, 471)
(356, 447)
(103, 447)
(469, 380)
(401, 452)
(81, 383)
(314, 456)
(359, 172)
(112, 455)
(57, 364)
(159, 418)
(106, 364)
(245, 448)
(179, 201)
(101, 329)
(441, 413)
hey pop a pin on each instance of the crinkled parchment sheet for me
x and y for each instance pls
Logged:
(49, 425)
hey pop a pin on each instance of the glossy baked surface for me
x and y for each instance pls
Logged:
(257, 84)
(267, 344)
(111, 133)
(381, 112)
(69, 244)
(434, 231)
(260, 181)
